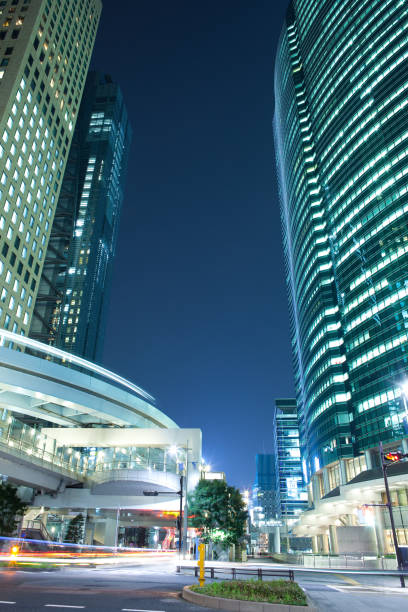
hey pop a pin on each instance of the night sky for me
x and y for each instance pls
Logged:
(198, 312)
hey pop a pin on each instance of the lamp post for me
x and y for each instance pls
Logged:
(389, 505)
(180, 521)
(185, 515)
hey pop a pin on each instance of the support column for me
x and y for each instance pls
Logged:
(405, 445)
(326, 482)
(90, 531)
(110, 532)
(316, 488)
(274, 540)
(369, 459)
(379, 530)
(325, 544)
(315, 546)
(343, 472)
(334, 547)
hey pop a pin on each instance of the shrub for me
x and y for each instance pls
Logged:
(274, 591)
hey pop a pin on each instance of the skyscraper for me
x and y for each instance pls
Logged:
(71, 306)
(290, 486)
(264, 504)
(45, 52)
(342, 155)
(264, 491)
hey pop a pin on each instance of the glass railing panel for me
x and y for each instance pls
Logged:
(29, 441)
(137, 458)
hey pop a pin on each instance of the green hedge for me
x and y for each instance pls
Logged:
(274, 591)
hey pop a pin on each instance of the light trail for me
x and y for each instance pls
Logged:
(66, 553)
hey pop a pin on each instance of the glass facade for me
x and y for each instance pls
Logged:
(71, 307)
(264, 492)
(45, 53)
(341, 138)
(290, 486)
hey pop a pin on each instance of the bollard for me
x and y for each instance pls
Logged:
(200, 563)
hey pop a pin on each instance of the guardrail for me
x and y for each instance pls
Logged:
(288, 572)
(236, 571)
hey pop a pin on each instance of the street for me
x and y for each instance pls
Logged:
(152, 585)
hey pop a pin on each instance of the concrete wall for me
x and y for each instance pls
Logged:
(356, 540)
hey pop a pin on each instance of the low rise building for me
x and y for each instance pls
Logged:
(85, 440)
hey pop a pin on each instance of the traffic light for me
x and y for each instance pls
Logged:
(394, 456)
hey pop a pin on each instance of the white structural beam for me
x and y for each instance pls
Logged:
(102, 437)
(24, 378)
(84, 498)
(23, 473)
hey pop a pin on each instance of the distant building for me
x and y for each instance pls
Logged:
(70, 311)
(263, 508)
(291, 489)
(213, 476)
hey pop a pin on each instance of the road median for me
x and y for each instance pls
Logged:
(239, 605)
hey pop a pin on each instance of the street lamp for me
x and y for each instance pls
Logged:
(393, 457)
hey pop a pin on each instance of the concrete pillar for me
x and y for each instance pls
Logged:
(110, 532)
(334, 547)
(405, 445)
(343, 472)
(274, 540)
(316, 488)
(315, 546)
(369, 459)
(310, 494)
(325, 544)
(90, 531)
(326, 482)
(379, 530)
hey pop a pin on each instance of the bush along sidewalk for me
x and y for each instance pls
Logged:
(275, 591)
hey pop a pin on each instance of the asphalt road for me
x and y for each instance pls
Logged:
(154, 586)
(146, 586)
(354, 593)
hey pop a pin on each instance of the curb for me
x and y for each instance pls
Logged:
(237, 605)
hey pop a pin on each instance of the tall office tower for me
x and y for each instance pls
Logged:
(341, 138)
(72, 301)
(45, 49)
(264, 502)
(292, 498)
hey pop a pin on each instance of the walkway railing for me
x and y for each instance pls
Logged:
(23, 440)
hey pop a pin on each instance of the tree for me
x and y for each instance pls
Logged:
(219, 511)
(11, 509)
(75, 529)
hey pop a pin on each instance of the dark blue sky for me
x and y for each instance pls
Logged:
(198, 311)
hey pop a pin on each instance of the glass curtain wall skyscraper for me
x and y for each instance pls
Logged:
(265, 500)
(290, 485)
(341, 136)
(45, 50)
(71, 307)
